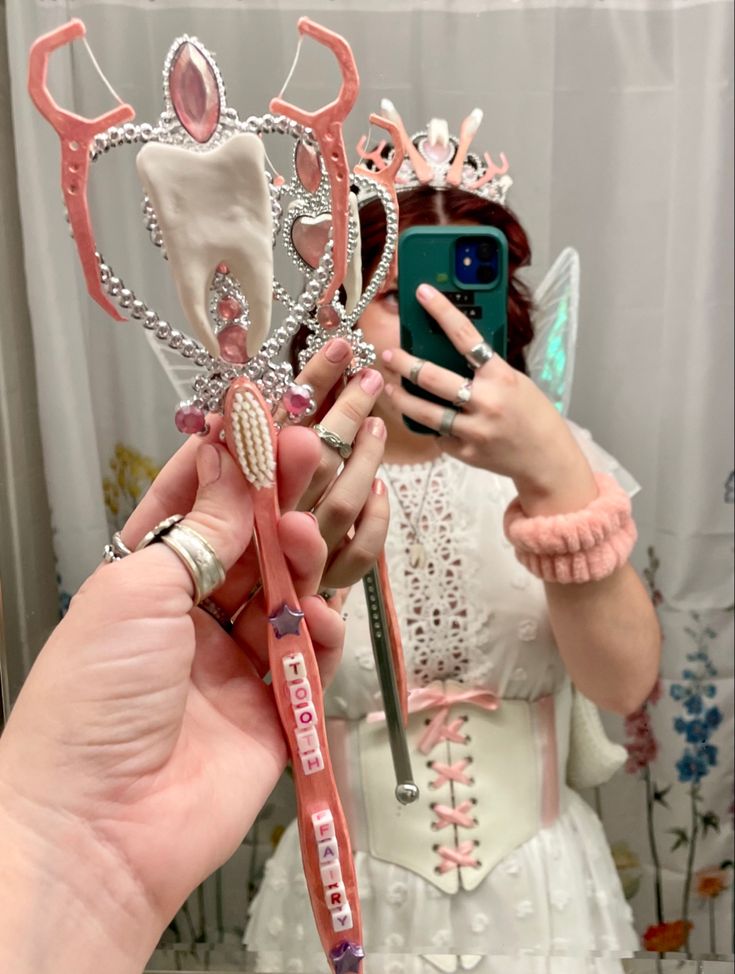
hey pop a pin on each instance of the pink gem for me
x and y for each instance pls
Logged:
(223, 268)
(310, 237)
(436, 153)
(228, 309)
(233, 344)
(189, 418)
(296, 400)
(194, 93)
(307, 167)
(328, 317)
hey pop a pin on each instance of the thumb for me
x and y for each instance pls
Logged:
(223, 511)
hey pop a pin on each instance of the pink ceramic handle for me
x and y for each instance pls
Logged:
(326, 123)
(76, 135)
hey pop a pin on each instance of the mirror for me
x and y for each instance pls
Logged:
(613, 132)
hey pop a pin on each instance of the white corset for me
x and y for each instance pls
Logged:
(489, 779)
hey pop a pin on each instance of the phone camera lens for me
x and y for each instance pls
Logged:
(485, 251)
(485, 274)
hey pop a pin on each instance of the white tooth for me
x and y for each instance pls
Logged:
(214, 206)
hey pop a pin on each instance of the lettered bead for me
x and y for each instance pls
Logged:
(305, 716)
(331, 873)
(335, 897)
(323, 823)
(313, 762)
(300, 692)
(327, 851)
(342, 919)
(294, 667)
(307, 741)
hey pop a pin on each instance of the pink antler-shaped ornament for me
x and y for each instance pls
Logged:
(326, 123)
(385, 172)
(76, 135)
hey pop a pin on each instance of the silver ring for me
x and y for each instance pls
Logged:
(217, 613)
(417, 366)
(116, 549)
(332, 440)
(463, 395)
(447, 422)
(479, 355)
(196, 553)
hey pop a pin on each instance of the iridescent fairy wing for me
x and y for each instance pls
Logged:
(550, 356)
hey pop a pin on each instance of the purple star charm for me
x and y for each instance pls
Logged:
(286, 621)
(347, 957)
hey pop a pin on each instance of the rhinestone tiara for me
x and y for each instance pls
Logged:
(434, 157)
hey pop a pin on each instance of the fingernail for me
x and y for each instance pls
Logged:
(313, 516)
(387, 355)
(336, 349)
(425, 292)
(209, 465)
(389, 389)
(378, 487)
(371, 381)
(376, 427)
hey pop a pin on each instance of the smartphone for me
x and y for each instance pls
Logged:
(469, 264)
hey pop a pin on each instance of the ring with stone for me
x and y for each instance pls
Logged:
(116, 549)
(464, 394)
(417, 366)
(479, 355)
(447, 422)
(333, 441)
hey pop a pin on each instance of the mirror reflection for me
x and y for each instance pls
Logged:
(531, 458)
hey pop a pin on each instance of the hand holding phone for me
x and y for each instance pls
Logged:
(469, 265)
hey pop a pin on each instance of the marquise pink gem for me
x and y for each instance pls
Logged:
(233, 344)
(436, 153)
(307, 167)
(228, 309)
(296, 400)
(189, 419)
(194, 93)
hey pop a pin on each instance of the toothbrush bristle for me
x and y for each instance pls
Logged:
(252, 438)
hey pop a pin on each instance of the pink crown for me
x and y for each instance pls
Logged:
(435, 158)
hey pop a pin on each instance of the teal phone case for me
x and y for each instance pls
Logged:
(427, 255)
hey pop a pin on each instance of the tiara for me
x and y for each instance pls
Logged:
(434, 157)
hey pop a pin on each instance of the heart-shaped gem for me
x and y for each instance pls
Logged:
(310, 236)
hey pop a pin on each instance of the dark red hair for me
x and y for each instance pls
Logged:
(426, 206)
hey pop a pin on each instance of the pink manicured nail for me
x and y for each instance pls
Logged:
(389, 389)
(336, 350)
(425, 292)
(376, 427)
(313, 516)
(387, 355)
(371, 381)
(378, 487)
(209, 465)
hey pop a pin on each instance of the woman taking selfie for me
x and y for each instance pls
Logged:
(508, 551)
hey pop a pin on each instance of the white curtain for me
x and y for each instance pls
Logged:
(616, 118)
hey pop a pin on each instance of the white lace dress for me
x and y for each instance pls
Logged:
(473, 616)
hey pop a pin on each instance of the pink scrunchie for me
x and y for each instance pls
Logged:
(584, 546)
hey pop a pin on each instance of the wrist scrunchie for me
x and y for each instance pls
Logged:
(584, 546)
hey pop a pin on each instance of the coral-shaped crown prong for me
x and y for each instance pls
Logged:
(436, 158)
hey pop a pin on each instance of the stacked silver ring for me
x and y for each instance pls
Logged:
(447, 422)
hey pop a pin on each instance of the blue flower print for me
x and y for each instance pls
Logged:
(693, 705)
(713, 717)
